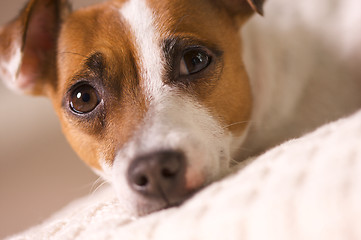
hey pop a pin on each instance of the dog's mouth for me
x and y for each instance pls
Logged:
(189, 195)
(155, 205)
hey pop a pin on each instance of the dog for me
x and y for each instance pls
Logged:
(152, 95)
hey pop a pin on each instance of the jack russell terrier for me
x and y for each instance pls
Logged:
(152, 95)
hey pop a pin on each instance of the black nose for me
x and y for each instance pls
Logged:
(159, 175)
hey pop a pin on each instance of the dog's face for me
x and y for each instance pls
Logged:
(153, 95)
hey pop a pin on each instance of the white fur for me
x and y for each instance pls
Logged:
(303, 60)
(9, 67)
(141, 21)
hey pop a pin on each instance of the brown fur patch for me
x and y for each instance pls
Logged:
(98, 137)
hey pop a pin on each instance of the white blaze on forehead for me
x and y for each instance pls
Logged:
(141, 21)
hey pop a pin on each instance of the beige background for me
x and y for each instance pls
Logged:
(39, 173)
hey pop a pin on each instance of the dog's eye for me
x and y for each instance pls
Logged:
(194, 61)
(84, 99)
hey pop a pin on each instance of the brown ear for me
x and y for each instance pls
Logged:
(243, 7)
(256, 5)
(28, 46)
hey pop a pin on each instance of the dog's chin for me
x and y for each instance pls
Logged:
(146, 206)
(146, 209)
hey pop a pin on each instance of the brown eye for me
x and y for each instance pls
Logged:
(193, 61)
(84, 99)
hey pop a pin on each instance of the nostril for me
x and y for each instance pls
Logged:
(141, 181)
(171, 167)
(167, 173)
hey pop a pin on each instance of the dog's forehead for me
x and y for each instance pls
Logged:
(131, 29)
(121, 20)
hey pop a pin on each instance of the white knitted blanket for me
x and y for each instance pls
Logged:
(307, 188)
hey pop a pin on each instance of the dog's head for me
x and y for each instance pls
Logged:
(153, 95)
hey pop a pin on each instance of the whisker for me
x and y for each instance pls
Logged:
(74, 53)
(235, 165)
(233, 162)
(241, 122)
(97, 184)
(236, 123)
(98, 187)
(174, 31)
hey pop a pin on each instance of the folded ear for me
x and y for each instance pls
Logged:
(256, 5)
(28, 46)
(243, 7)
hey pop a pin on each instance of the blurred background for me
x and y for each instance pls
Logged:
(39, 172)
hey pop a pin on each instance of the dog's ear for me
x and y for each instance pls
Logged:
(28, 46)
(256, 5)
(243, 7)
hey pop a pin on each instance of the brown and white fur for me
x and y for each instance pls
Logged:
(157, 133)
(155, 130)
